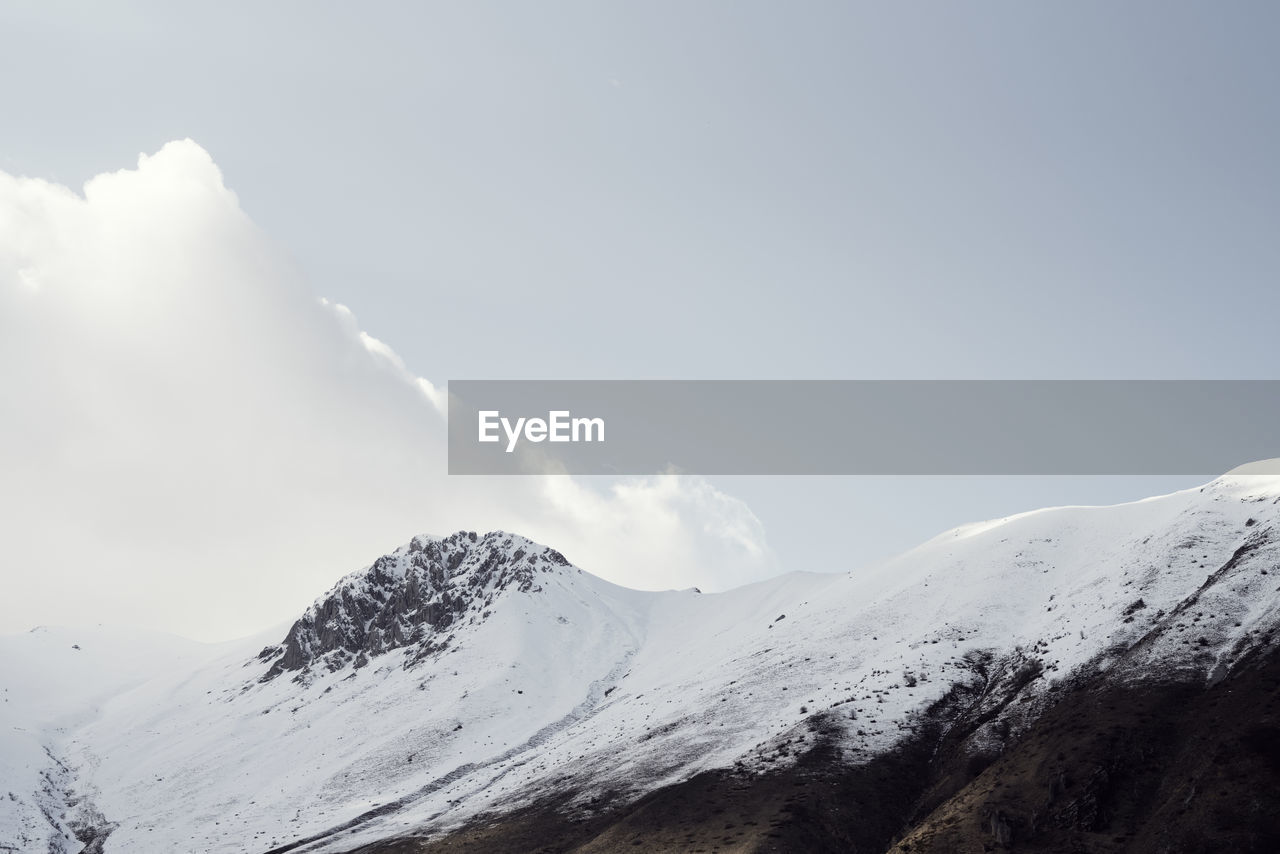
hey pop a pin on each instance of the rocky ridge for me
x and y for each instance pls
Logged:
(410, 599)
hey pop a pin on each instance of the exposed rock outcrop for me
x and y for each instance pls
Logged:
(410, 599)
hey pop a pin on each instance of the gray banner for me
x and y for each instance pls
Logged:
(852, 427)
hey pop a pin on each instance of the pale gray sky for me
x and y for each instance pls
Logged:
(719, 190)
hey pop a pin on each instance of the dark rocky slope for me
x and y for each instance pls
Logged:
(1145, 767)
(1109, 765)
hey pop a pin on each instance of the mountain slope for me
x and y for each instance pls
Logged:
(1143, 766)
(52, 682)
(481, 689)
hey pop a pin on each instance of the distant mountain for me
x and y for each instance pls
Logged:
(1074, 679)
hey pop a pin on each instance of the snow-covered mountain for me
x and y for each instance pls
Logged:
(463, 681)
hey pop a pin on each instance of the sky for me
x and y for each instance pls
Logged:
(218, 365)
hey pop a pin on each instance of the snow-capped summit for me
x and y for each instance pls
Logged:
(411, 599)
(460, 681)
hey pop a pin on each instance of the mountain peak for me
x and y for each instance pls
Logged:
(411, 599)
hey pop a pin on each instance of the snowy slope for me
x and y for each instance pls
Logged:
(466, 675)
(52, 682)
(227, 758)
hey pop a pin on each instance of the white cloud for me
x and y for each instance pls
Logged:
(437, 397)
(191, 441)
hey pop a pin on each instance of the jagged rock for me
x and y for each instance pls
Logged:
(409, 598)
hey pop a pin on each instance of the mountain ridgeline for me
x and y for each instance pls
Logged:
(1087, 679)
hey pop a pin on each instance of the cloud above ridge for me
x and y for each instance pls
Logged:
(193, 441)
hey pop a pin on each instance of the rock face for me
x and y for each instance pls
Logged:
(1170, 766)
(410, 599)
